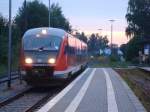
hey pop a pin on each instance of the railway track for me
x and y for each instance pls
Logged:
(10, 99)
(31, 99)
(28, 100)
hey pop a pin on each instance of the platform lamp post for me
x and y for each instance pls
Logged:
(9, 46)
(25, 6)
(112, 21)
(100, 30)
(49, 13)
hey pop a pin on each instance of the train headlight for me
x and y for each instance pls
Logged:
(51, 61)
(44, 32)
(28, 61)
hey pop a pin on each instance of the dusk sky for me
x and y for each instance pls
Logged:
(87, 15)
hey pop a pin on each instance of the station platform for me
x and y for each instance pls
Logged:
(147, 69)
(95, 90)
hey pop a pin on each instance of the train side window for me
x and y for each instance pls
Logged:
(66, 49)
(69, 50)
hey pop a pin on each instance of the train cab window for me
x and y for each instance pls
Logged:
(44, 42)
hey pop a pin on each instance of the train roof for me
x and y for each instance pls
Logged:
(49, 31)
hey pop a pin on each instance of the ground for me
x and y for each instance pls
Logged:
(106, 62)
(138, 80)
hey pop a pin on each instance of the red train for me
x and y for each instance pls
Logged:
(50, 55)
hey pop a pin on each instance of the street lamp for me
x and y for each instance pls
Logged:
(100, 30)
(9, 46)
(49, 13)
(112, 31)
(25, 5)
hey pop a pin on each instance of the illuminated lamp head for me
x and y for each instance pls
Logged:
(51, 61)
(44, 31)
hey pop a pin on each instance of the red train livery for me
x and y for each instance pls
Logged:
(49, 55)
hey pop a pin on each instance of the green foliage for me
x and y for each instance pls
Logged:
(96, 43)
(123, 48)
(34, 14)
(81, 36)
(30, 15)
(58, 20)
(133, 48)
(4, 44)
(114, 58)
(3, 39)
(138, 16)
(103, 61)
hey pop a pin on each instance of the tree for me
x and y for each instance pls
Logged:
(96, 43)
(123, 48)
(81, 36)
(3, 24)
(138, 16)
(92, 43)
(3, 39)
(102, 42)
(34, 14)
(133, 48)
(58, 20)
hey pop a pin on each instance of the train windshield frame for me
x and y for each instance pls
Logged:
(44, 42)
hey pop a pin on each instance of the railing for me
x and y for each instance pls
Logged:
(14, 75)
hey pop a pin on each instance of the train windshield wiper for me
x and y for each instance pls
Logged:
(49, 45)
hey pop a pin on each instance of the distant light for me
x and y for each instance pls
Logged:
(44, 31)
(56, 47)
(37, 35)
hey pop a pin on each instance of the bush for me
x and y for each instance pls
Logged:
(133, 48)
(114, 58)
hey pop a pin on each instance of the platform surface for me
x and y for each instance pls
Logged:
(95, 90)
(146, 68)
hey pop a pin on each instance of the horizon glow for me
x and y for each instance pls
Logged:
(87, 15)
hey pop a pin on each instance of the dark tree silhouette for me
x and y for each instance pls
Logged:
(138, 16)
(34, 14)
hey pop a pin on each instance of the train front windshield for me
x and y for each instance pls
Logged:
(46, 42)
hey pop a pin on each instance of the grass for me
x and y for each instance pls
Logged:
(130, 77)
(106, 62)
(114, 64)
(3, 68)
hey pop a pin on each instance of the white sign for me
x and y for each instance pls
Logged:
(146, 51)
